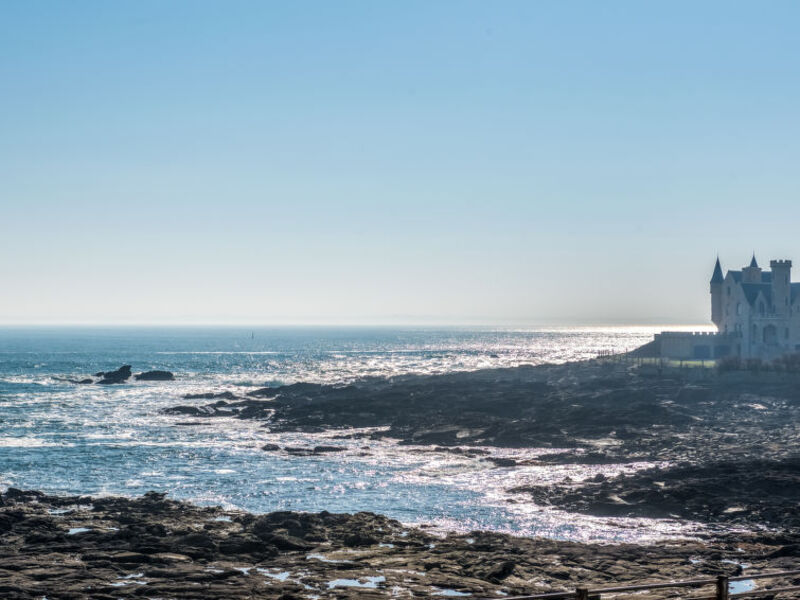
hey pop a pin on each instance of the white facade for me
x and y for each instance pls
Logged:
(758, 311)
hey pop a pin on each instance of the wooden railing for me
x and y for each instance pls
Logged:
(721, 583)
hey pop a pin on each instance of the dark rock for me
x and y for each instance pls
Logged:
(702, 422)
(154, 376)
(185, 551)
(788, 550)
(119, 376)
(270, 447)
(502, 462)
(267, 392)
(298, 451)
(245, 544)
(501, 571)
(285, 542)
(327, 449)
(17, 495)
(358, 539)
(211, 395)
(746, 491)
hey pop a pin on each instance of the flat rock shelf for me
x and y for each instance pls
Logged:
(70, 548)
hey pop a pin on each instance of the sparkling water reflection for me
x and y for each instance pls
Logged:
(61, 437)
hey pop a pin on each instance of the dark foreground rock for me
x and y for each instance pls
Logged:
(750, 492)
(70, 548)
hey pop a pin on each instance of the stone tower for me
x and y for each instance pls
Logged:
(716, 295)
(781, 286)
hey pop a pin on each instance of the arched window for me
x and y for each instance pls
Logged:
(755, 332)
(760, 307)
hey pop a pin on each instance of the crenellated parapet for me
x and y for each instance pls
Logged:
(780, 264)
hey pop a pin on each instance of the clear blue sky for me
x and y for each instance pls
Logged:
(391, 162)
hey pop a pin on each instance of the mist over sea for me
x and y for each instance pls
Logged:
(57, 436)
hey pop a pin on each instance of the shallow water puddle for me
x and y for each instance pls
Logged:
(280, 575)
(737, 587)
(77, 530)
(369, 582)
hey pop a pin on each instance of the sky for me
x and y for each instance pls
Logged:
(417, 162)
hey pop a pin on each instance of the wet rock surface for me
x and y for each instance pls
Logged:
(119, 376)
(755, 492)
(726, 442)
(612, 412)
(66, 548)
(154, 376)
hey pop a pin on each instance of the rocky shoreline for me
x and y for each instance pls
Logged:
(724, 446)
(769, 491)
(71, 548)
(726, 443)
(645, 412)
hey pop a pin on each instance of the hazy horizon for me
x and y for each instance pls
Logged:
(399, 325)
(443, 163)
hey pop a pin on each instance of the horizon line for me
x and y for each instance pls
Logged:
(427, 324)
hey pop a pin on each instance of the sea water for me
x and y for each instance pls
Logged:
(60, 437)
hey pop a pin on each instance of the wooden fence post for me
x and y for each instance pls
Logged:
(582, 593)
(722, 587)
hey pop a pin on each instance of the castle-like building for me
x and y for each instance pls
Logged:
(757, 314)
(761, 309)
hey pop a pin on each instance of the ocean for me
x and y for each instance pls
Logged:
(60, 437)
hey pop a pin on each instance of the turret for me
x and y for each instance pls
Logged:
(716, 295)
(781, 285)
(752, 273)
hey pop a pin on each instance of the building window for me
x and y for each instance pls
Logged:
(729, 291)
(786, 333)
(738, 308)
(755, 332)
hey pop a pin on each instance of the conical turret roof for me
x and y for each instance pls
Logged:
(717, 276)
(753, 262)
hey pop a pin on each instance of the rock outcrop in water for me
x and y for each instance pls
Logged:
(719, 428)
(616, 412)
(154, 376)
(75, 548)
(121, 375)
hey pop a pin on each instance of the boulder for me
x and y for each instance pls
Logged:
(155, 376)
(119, 376)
